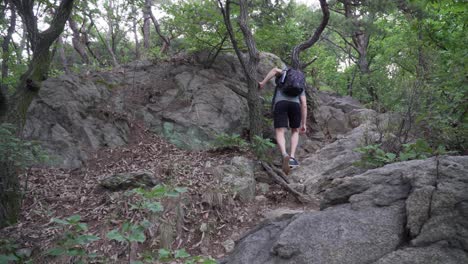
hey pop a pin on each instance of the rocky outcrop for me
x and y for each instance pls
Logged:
(180, 100)
(407, 212)
(338, 158)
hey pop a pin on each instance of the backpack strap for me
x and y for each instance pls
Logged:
(278, 80)
(273, 99)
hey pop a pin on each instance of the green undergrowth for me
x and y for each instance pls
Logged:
(76, 242)
(373, 156)
(259, 146)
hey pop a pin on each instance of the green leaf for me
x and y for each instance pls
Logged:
(172, 194)
(157, 191)
(163, 254)
(76, 252)
(146, 224)
(154, 206)
(209, 261)
(181, 189)
(56, 251)
(137, 234)
(85, 239)
(60, 221)
(391, 156)
(5, 259)
(82, 226)
(74, 219)
(115, 235)
(181, 253)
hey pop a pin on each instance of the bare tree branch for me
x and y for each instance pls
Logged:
(314, 38)
(343, 37)
(226, 12)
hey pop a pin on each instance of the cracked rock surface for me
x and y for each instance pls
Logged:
(406, 212)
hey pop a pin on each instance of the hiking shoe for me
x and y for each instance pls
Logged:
(285, 164)
(293, 163)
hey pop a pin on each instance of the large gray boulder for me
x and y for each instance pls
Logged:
(69, 119)
(335, 160)
(407, 212)
(181, 100)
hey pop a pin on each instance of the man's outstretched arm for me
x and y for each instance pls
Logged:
(303, 114)
(273, 72)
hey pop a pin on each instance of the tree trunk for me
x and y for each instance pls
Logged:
(110, 43)
(313, 39)
(157, 27)
(10, 194)
(135, 34)
(29, 86)
(77, 41)
(249, 68)
(146, 24)
(62, 55)
(360, 43)
(23, 45)
(6, 50)
(96, 55)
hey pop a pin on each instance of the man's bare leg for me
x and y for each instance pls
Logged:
(294, 141)
(281, 141)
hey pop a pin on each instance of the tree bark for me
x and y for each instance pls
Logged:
(6, 50)
(110, 43)
(135, 34)
(249, 67)
(78, 41)
(96, 56)
(296, 64)
(29, 86)
(62, 54)
(360, 43)
(146, 24)
(24, 45)
(166, 41)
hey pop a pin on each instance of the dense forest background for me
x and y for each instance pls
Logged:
(407, 56)
(403, 56)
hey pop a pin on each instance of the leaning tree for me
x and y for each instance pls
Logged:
(250, 63)
(13, 109)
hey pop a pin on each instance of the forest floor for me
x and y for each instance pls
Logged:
(60, 193)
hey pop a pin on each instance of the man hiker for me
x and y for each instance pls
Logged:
(289, 110)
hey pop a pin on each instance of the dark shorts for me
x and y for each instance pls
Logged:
(287, 111)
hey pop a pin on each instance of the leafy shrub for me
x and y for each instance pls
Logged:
(417, 150)
(9, 253)
(21, 153)
(149, 200)
(129, 233)
(74, 239)
(374, 156)
(224, 140)
(261, 146)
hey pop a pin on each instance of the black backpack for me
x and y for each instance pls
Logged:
(292, 82)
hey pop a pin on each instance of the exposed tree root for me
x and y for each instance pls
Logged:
(279, 177)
